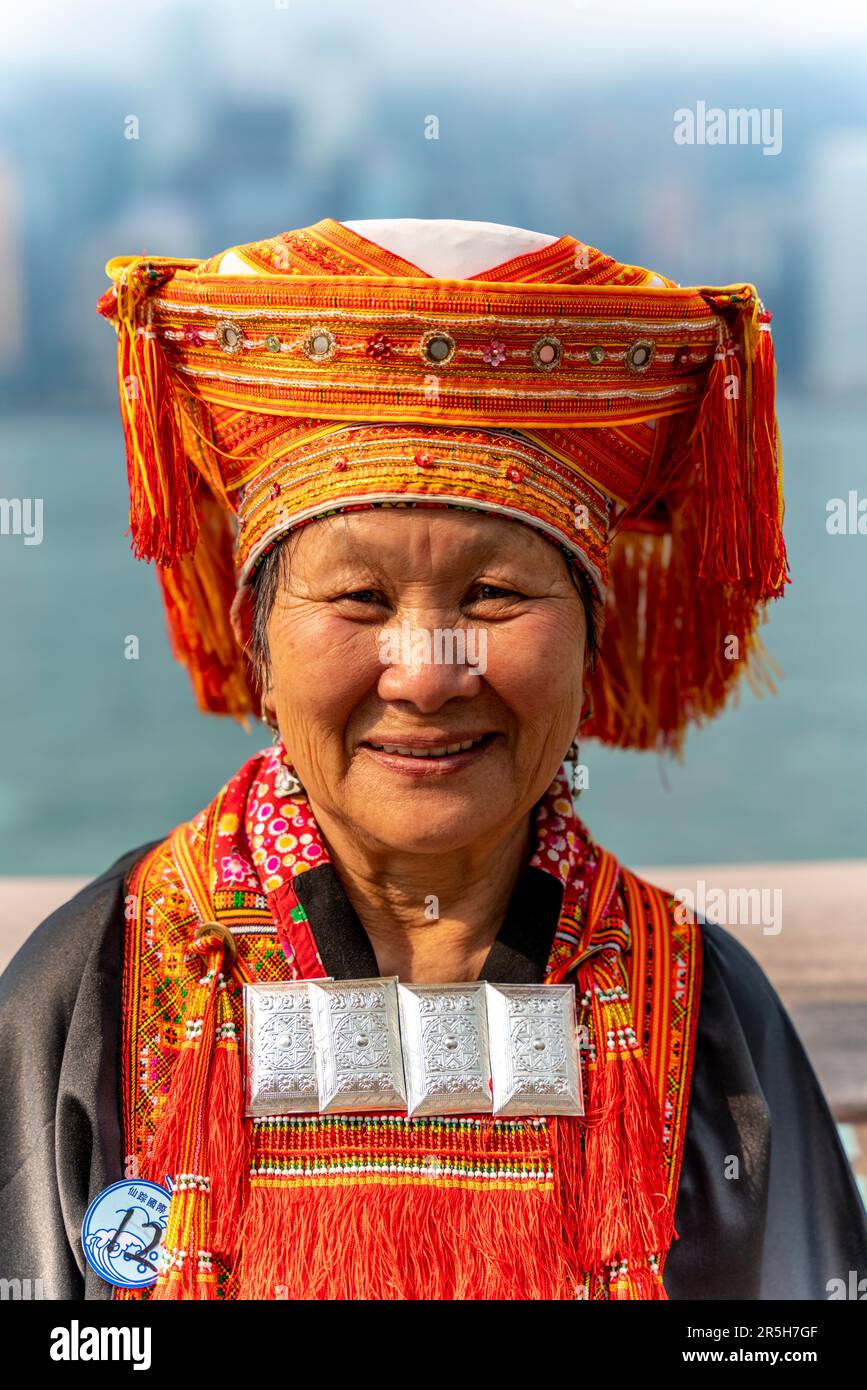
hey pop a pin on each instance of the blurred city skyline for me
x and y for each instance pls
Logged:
(576, 37)
(255, 118)
(226, 153)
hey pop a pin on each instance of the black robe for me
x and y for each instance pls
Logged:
(792, 1220)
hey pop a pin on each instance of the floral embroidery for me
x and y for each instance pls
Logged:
(379, 347)
(494, 353)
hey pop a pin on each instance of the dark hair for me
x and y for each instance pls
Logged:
(589, 596)
(265, 584)
(272, 569)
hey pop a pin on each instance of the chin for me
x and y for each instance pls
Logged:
(428, 820)
(438, 839)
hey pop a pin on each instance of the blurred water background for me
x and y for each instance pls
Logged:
(257, 117)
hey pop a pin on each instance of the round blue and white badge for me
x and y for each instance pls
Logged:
(122, 1231)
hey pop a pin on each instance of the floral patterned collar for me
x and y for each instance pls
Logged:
(265, 842)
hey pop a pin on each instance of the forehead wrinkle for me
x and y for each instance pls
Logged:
(481, 536)
(434, 552)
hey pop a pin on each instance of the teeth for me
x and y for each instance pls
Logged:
(440, 751)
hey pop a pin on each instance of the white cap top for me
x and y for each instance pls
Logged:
(449, 249)
(446, 248)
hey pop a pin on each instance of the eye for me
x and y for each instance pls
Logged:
(487, 593)
(369, 597)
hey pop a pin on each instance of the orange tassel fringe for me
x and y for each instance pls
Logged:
(198, 591)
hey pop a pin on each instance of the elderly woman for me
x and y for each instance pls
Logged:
(436, 500)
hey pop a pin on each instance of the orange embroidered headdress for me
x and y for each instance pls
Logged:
(630, 420)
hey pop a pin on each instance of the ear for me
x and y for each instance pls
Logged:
(242, 616)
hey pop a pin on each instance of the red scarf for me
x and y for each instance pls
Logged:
(384, 1206)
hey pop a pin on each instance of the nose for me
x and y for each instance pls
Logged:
(427, 667)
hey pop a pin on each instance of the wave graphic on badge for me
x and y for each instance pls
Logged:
(118, 1257)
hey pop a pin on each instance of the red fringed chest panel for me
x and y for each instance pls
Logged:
(376, 1206)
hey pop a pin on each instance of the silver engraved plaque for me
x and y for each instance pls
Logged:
(534, 1050)
(280, 1062)
(356, 1037)
(444, 1032)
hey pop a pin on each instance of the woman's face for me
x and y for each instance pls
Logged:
(371, 638)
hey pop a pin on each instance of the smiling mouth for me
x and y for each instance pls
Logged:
(431, 750)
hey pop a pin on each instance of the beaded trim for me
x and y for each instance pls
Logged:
(529, 354)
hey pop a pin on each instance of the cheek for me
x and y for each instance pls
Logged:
(321, 668)
(536, 665)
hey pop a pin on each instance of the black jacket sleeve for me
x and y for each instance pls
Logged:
(60, 1121)
(767, 1205)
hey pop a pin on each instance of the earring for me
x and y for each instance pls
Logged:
(586, 709)
(573, 757)
(286, 782)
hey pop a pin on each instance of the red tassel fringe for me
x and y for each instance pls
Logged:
(163, 521)
(622, 1155)
(200, 1142)
(736, 458)
(689, 579)
(377, 1241)
(228, 1148)
(765, 450)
